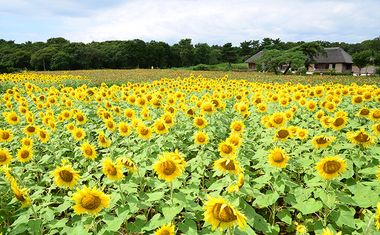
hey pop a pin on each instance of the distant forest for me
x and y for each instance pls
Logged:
(61, 54)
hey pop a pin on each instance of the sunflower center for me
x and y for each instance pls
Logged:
(164, 232)
(226, 149)
(66, 175)
(201, 138)
(364, 111)
(160, 127)
(321, 140)
(330, 167)
(237, 128)
(378, 127)
(199, 122)
(90, 202)
(5, 135)
(102, 139)
(169, 167)
(20, 197)
(228, 166)
(278, 119)
(80, 118)
(31, 129)
(207, 108)
(338, 122)
(283, 134)
(24, 154)
(3, 157)
(376, 114)
(358, 99)
(43, 135)
(223, 213)
(362, 138)
(14, 118)
(79, 134)
(144, 131)
(112, 170)
(278, 157)
(88, 151)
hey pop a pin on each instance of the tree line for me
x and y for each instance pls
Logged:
(61, 54)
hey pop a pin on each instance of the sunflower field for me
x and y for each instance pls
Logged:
(189, 155)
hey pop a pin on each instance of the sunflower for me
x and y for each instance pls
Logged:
(103, 141)
(278, 119)
(331, 167)
(160, 127)
(30, 130)
(302, 133)
(262, 108)
(26, 141)
(200, 138)
(65, 176)
(21, 194)
(319, 115)
(301, 229)
(124, 129)
(112, 170)
(283, 134)
(6, 136)
(235, 139)
(374, 115)
(110, 125)
(357, 99)
(376, 128)
(327, 231)
(322, 141)
(338, 123)
(167, 229)
(168, 167)
(88, 150)
(207, 107)
(127, 163)
(227, 165)
(70, 127)
(221, 214)
(78, 134)
(144, 132)
(360, 137)
(81, 118)
(326, 121)
(200, 122)
(237, 126)
(24, 154)
(377, 216)
(363, 112)
(236, 186)
(226, 149)
(129, 113)
(278, 158)
(43, 135)
(5, 157)
(12, 118)
(90, 201)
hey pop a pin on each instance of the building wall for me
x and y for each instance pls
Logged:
(251, 66)
(339, 68)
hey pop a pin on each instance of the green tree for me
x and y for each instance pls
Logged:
(274, 60)
(229, 53)
(362, 59)
(311, 50)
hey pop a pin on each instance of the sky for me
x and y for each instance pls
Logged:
(211, 21)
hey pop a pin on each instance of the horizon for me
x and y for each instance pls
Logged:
(212, 22)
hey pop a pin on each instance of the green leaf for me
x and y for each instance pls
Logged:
(285, 216)
(22, 219)
(171, 212)
(156, 196)
(309, 206)
(266, 200)
(35, 226)
(114, 223)
(346, 217)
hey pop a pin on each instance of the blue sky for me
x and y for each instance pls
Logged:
(211, 21)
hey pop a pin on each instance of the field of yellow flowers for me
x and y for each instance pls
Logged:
(189, 155)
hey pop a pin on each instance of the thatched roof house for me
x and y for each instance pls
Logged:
(252, 60)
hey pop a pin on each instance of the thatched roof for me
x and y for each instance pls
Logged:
(253, 58)
(334, 55)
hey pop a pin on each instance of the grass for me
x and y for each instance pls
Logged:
(118, 76)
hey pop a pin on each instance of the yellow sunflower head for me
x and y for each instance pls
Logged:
(322, 141)
(21, 194)
(65, 176)
(374, 115)
(222, 215)
(113, 171)
(278, 119)
(103, 141)
(361, 137)
(283, 134)
(227, 165)
(144, 132)
(278, 158)
(237, 126)
(90, 201)
(78, 134)
(128, 164)
(330, 167)
(167, 229)
(338, 123)
(24, 154)
(88, 150)
(376, 129)
(227, 149)
(6, 136)
(160, 127)
(124, 129)
(200, 138)
(168, 167)
(5, 157)
(200, 122)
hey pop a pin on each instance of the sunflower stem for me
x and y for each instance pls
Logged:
(171, 193)
(121, 193)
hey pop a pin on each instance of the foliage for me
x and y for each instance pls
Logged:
(248, 177)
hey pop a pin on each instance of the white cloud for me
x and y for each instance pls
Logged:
(214, 21)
